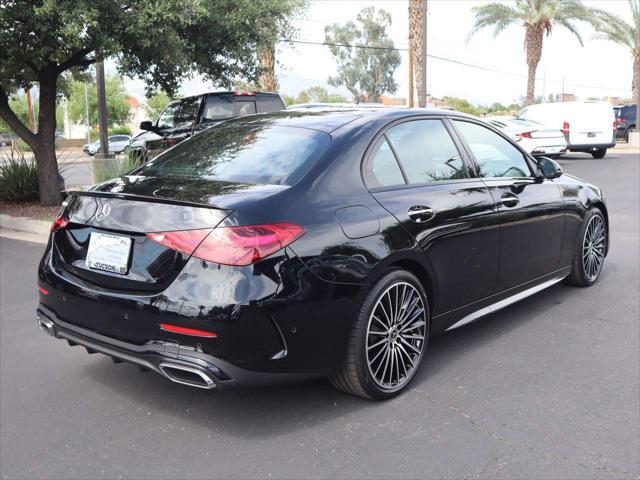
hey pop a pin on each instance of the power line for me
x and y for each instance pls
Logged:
(444, 59)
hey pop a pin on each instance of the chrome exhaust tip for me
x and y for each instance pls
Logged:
(46, 326)
(194, 377)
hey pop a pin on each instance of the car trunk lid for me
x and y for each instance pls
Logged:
(144, 266)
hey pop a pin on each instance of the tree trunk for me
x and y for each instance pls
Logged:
(45, 148)
(43, 142)
(533, 44)
(267, 79)
(635, 88)
(416, 37)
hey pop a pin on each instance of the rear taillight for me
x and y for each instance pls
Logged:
(59, 223)
(565, 128)
(240, 245)
(526, 135)
(244, 94)
(615, 125)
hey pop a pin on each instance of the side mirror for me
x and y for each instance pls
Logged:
(147, 125)
(548, 168)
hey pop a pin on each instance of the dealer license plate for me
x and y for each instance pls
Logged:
(109, 253)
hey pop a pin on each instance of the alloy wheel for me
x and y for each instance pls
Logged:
(396, 336)
(593, 247)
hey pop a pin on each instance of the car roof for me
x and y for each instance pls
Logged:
(330, 119)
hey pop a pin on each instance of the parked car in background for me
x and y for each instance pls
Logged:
(625, 120)
(535, 138)
(7, 138)
(588, 126)
(117, 144)
(185, 117)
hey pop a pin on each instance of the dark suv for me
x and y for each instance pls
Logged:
(625, 120)
(184, 117)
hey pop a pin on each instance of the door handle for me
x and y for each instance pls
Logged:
(510, 199)
(421, 214)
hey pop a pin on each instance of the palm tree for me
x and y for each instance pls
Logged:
(538, 17)
(615, 29)
(417, 9)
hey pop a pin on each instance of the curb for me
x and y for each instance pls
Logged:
(35, 228)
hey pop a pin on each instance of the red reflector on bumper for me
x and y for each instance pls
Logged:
(187, 331)
(43, 291)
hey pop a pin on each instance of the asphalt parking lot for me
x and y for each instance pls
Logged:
(547, 388)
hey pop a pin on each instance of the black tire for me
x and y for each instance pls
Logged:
(579, 275)
(599, 153)
(356, 375)
(626, 134)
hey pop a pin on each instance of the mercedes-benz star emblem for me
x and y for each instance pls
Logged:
(103, 212)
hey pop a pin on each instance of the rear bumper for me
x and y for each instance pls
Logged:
(590, 147)
(179, 363)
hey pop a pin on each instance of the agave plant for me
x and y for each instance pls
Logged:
(18, 177)
(538, 17)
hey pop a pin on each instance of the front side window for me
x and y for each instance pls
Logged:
(495, 156)
(258, 154)
(186, 114)
(166, 119)
(426, 151)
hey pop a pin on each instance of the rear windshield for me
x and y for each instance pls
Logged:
(224, 107)
(260, 154)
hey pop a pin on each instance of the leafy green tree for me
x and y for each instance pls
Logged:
(319, 94)
(538, 18)
(156, 103)
(160, 41)
(18, 104)
(462, 105)
(615, 29)
(367, 68)
(118, 110)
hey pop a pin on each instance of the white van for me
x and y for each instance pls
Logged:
(588, 126)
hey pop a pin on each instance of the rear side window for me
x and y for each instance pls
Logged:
(385, 167)
(426, 151)
(260, 154)
(224, 107)
(495, 156)
(269, 104)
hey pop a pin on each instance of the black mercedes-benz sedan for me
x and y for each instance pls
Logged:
(321, 243)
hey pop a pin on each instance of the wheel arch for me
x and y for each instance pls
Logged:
(415, 263)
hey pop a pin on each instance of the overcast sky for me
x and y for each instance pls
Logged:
(597, 69)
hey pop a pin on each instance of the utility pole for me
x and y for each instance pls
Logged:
(102, 110)
(422, 95)
(86, 112)
(30, 110)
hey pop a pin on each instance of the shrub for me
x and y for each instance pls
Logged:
(104, 170)
(122, 130)
(18, 178)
